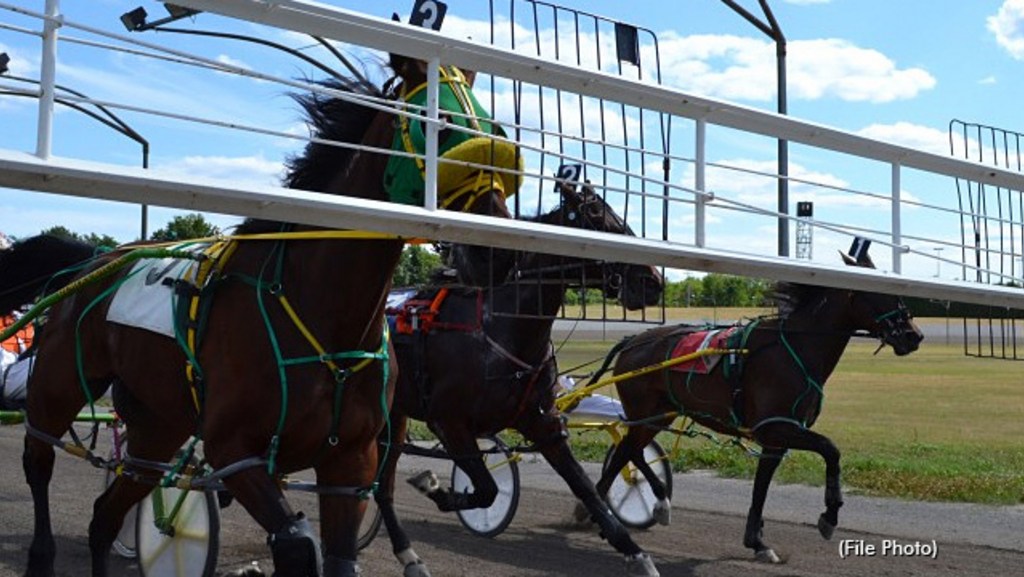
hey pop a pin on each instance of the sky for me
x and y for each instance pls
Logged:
(895, 71)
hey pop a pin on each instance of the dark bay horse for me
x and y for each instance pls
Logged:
(487, 364)
(773, 394)
(286, 344)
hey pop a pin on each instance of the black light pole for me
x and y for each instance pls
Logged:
(135, 21)
(774, 31)
(104, 116)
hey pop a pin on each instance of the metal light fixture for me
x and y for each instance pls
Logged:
(135, 20)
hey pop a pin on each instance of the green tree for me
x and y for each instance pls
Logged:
(97, 240)
(416, 266)
(185, 227)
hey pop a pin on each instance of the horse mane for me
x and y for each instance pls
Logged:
(34, 259)
(330, 118)
(790, 297)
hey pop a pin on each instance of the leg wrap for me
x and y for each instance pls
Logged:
(296, 550)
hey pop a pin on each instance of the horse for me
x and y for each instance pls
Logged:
(771, 393)
(486, 364)
(283, 363)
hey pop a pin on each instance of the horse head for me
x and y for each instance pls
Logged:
(636, 286)
(885, 317)
(478, 168)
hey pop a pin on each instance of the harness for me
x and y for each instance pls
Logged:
(415, 319)
(192, 300)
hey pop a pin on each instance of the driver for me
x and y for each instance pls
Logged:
(16, 360)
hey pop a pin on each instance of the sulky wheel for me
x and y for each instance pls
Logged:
(189, 546)
(630, 496)
(491, 521)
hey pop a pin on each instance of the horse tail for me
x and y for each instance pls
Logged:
(610, 357)
(42, 263)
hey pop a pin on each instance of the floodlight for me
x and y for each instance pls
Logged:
(135, 19)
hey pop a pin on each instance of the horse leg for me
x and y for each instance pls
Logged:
(51, 413)
(296, 552)
(37, 462)
(752, 536)
(663, 508)
(463, 449)
(401, 546)
(548, 433)
(148, 439)
(793, 436)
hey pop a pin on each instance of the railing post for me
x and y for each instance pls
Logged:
(897, 234)
(48, 80)
(431, 133)
(699, 183)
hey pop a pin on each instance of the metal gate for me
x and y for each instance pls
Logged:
(991, 237)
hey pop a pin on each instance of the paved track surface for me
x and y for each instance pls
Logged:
(704, 539)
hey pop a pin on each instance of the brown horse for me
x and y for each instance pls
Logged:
(488, 365)
(772, 394)
(287, 345)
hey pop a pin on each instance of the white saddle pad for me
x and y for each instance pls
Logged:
(146, 299)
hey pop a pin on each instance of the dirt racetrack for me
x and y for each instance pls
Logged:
(704, 539)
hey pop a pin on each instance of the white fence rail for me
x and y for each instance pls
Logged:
(703, 202)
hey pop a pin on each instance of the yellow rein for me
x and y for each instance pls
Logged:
(573, 397)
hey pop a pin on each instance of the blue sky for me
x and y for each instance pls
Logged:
(897, 71)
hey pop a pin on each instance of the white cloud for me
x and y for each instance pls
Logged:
(928, 139)
(988, 80)
(911, 135)
(1008, 27)
(743, 68)
(234, 62)
(241, 171)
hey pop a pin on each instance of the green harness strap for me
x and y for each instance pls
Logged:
(274, 288)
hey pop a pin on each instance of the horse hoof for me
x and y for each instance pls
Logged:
(416, 569)
(641, 565)
(425, 482)
(252, 570)
(767, 556)
(663, 512)
(580, 514)
(825, 528)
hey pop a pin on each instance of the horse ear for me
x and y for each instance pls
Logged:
(865, 261)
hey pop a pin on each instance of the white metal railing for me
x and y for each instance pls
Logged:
(695, 253)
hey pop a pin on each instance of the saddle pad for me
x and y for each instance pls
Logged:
(145, 299)
(697, 341)
(398, 297)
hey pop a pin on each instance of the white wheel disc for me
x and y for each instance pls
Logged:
(187, 552)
